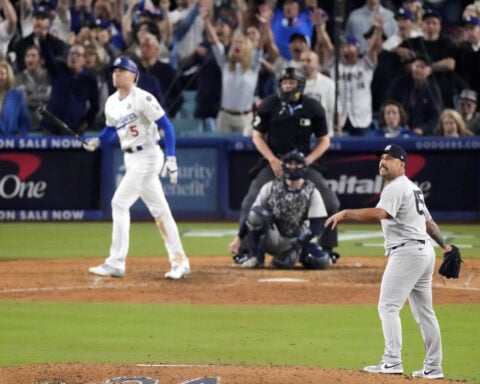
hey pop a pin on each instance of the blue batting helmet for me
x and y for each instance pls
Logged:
(127, 64)
(314, 257)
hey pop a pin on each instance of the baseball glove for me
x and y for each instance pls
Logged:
(450, 267)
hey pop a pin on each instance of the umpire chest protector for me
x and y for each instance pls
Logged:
(290, 207)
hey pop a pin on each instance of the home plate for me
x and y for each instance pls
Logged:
(282, 280)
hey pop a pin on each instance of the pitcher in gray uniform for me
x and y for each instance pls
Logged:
(407, 226)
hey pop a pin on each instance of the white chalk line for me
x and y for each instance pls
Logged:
(183, 365)
(72, 288)
(123, 286)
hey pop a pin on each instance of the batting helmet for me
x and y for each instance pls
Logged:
(297, 157)
(127, 64)
(293, 95)
(314, 257)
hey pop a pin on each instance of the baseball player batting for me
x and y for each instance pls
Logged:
(407, 227)
(135, 117)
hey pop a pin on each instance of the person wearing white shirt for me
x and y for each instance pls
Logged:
(7, 26)
(319, 86)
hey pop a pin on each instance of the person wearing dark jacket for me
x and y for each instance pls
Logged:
(420, 96)
(74, 97)
(41, 24)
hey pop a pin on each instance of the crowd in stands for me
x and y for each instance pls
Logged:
(388, 68)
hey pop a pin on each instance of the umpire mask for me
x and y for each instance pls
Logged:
(293, 95)
(294, 165)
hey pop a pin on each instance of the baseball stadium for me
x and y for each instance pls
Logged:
(222, 323)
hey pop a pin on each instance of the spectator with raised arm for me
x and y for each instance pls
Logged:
(209, 89)
(74, 97)
(240, 69)
(290, 16)
(440, 50)
(355, 75)
(8, 26)
(360, 21)
(41, 24)
(468, 58)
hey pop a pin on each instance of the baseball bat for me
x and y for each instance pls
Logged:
(57, 123)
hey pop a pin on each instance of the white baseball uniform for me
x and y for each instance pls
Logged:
(408, 275)
(354, 93)
(134, 119)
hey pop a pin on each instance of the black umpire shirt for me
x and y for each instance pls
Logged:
(290, 126)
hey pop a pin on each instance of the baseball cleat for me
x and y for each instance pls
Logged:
(436, 373)
(252, 262)
(106, 270)
(382, 367)
(177, 272)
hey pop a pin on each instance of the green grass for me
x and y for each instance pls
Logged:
(323, 335)
(342, 336)
(92, 239)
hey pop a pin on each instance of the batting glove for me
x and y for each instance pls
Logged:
(170, 168)
(91, 144)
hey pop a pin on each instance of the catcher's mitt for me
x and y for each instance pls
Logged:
(450, 267)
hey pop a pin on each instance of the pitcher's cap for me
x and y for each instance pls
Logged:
(394, 151)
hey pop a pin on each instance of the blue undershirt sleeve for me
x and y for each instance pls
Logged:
(108, 136)
(169, 134)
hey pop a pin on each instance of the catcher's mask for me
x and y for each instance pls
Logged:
(294, 165)
(293, 95)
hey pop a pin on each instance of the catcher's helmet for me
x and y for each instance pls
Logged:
(314, 257)
(293, 95)
(127, 64)
(297, 157)
(259, 219)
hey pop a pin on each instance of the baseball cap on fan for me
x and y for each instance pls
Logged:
(394, 151)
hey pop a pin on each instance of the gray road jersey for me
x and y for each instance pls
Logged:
(405, 204)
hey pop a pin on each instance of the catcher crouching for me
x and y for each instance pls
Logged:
(287, 214)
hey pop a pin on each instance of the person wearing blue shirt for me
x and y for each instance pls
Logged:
(14, 116)
(289, 18)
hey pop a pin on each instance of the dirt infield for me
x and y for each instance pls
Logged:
(214, 280)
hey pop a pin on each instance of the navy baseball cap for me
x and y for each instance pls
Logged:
(41, 12)
(101, 24)
(351, 40)
(404, 13)
(471, 20)
(394, 151)
(430, 12)
(298, 36)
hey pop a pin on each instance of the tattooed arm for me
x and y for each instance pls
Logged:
(434, 231)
